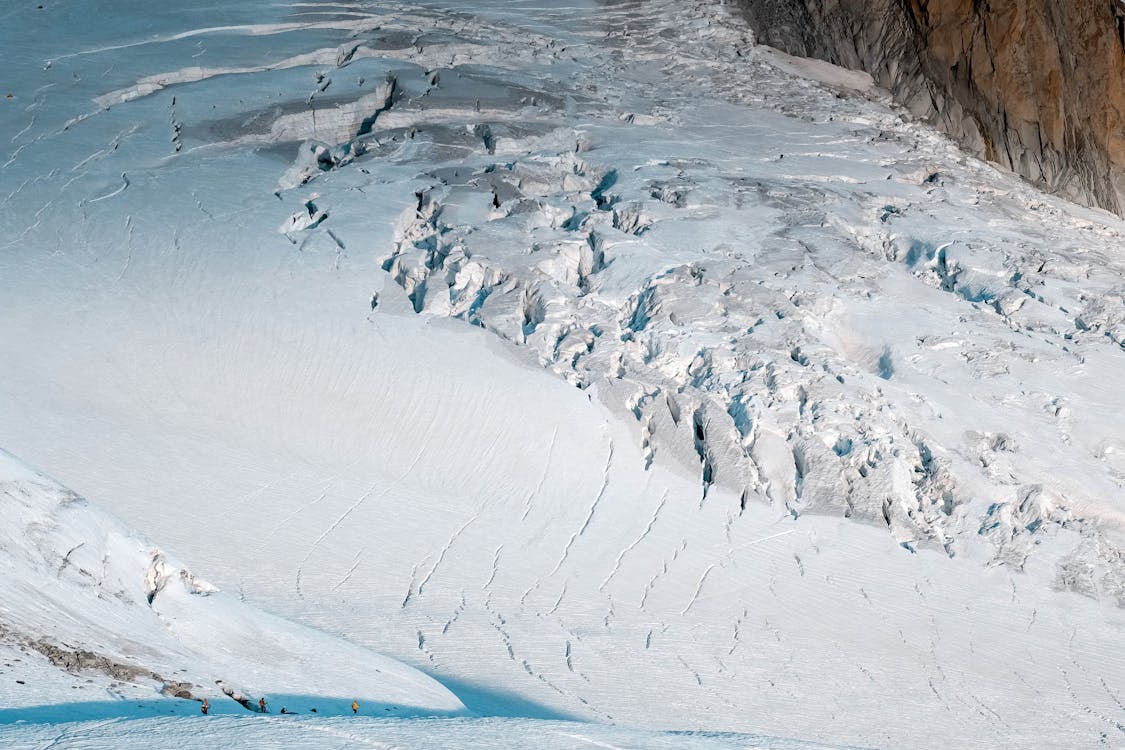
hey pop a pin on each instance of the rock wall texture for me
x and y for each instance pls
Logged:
(1037, 86)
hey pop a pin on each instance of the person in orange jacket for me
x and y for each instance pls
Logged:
(262, 705)
(355, 707)
(205, 707)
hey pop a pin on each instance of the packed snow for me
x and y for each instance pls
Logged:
(617, 373)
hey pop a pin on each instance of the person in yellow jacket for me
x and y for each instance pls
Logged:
(355, 707)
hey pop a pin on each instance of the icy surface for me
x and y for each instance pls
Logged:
(304, 293)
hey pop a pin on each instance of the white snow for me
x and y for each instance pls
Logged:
(77, 580)
(414, 734)
(304, 293)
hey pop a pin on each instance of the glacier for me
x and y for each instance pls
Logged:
(598, 362)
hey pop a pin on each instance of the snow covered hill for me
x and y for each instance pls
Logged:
(90, 606)
(593, 359)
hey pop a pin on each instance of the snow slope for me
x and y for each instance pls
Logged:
(82, 593)
(105, 641)
(305, 292)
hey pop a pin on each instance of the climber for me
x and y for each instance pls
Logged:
(262, 705)
(355, 707)
(205, 707)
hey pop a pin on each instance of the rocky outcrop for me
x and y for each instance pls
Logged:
(79, 660)
(1034, 85)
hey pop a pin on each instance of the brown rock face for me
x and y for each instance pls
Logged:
(1037, 86)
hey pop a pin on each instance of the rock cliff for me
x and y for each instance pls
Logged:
(1034, 85)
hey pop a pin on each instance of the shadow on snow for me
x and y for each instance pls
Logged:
(296, 705)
